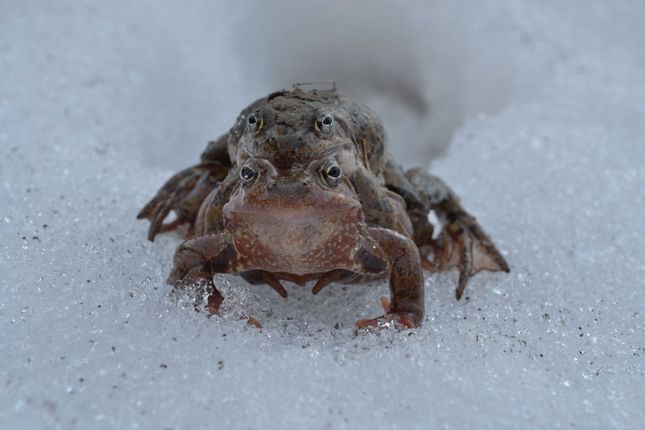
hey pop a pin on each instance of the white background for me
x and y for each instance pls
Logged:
(533, 113)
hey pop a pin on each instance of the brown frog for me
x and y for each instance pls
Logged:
(303, 189)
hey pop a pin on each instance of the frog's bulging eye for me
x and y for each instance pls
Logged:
(254, 122)
(332, 173)
(327, 121)
(324, 123)
(248, 173)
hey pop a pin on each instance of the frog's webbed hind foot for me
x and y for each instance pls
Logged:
(462, 243)
(185, 192)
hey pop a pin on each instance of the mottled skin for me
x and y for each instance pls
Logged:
(302, 189)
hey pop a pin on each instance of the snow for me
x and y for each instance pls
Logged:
(542, 107)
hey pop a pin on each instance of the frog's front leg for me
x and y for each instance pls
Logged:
(462, 243)
(185, 191)
(401, 256)
(197, 260)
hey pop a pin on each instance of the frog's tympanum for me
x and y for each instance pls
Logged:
(302, 188)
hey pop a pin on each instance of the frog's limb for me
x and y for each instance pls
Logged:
(210, 216)
(185, 191)
(407, 307)
(396, 181)
(257, 277)
(376, 205)
(197, 260)
(462, 243)
(333, 276)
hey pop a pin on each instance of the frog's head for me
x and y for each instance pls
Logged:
(292, 127)
(295, 209)
(302, 219)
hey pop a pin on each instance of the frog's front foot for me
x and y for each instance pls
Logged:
(196, 260)
(198, 283)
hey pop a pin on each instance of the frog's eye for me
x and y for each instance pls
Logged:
(254, 122)
(331, 173)
(324, 123)
(248, 173)
(327, 121)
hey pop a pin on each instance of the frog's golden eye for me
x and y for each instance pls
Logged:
(331, 173)
(255, 122)
(324, 123)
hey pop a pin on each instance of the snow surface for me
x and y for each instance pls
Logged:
(543, 105)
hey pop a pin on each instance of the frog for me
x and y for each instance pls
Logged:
(304, 189)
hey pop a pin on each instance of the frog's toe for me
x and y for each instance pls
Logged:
(399, 321)
(173, 196)
(196, 288)
(251, 321)
(465, 245)
(214, 302)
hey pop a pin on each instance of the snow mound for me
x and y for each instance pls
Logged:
(89, 337)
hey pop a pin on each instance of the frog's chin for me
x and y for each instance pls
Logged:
(297, 242)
